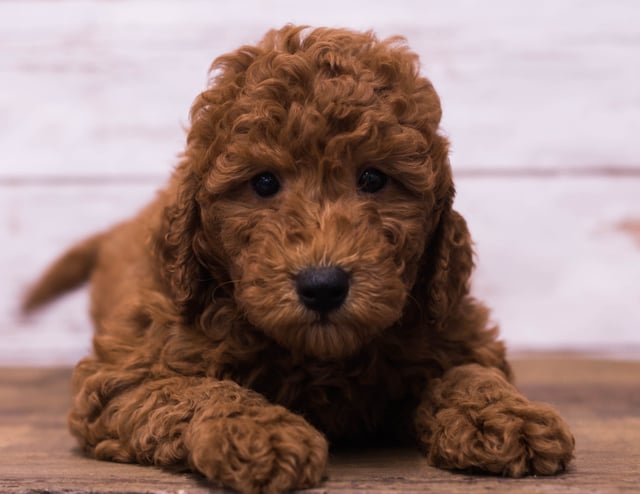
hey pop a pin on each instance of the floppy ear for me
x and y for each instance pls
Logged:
(446, 266)
(177, 247)
(189, 262)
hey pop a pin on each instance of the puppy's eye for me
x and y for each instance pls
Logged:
(371, 180)
(265, 184)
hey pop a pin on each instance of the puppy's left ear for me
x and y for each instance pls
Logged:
(446, 265)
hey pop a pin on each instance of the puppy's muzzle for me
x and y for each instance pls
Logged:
(322, 289)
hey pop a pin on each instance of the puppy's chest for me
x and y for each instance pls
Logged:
(343, 401)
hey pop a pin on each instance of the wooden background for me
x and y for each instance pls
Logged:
(541, 101)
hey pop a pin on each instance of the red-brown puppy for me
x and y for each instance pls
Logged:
(302, 279)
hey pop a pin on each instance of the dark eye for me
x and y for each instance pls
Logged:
(371, 180)
(266, 184)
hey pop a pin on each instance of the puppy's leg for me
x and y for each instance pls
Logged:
(473, 418)
(228, 433)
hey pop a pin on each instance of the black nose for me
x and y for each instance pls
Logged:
(322, 289)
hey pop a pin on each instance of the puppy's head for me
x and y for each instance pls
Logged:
(315, 192)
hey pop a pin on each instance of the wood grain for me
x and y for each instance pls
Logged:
(600, 400)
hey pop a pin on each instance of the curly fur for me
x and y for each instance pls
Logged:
(205, 358)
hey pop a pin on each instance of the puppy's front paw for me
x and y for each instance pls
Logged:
(514, 440)
(266, 451)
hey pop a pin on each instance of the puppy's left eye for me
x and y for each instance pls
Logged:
(265, 184)
(371, 180)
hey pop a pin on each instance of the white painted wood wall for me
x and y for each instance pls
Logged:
(541, 101)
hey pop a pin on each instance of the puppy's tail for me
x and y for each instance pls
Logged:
(70, 271)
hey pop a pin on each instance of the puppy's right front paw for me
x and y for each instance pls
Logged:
(270, 452)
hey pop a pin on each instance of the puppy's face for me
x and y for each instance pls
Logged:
(322, 199)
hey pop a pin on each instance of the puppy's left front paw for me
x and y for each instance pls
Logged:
(512, 440)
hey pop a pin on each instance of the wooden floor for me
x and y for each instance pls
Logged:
(600, 399)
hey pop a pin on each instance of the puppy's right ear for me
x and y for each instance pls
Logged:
(188, 262)
(176, 246)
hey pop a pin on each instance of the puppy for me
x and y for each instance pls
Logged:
(303, 278)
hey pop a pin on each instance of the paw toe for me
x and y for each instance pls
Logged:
(256, 457)
(528, 440)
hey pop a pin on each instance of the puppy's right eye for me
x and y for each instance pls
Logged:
(371, 181)
(265, 184)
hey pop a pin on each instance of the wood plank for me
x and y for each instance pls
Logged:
(104, 88)
(552, 261)
(38, 455)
